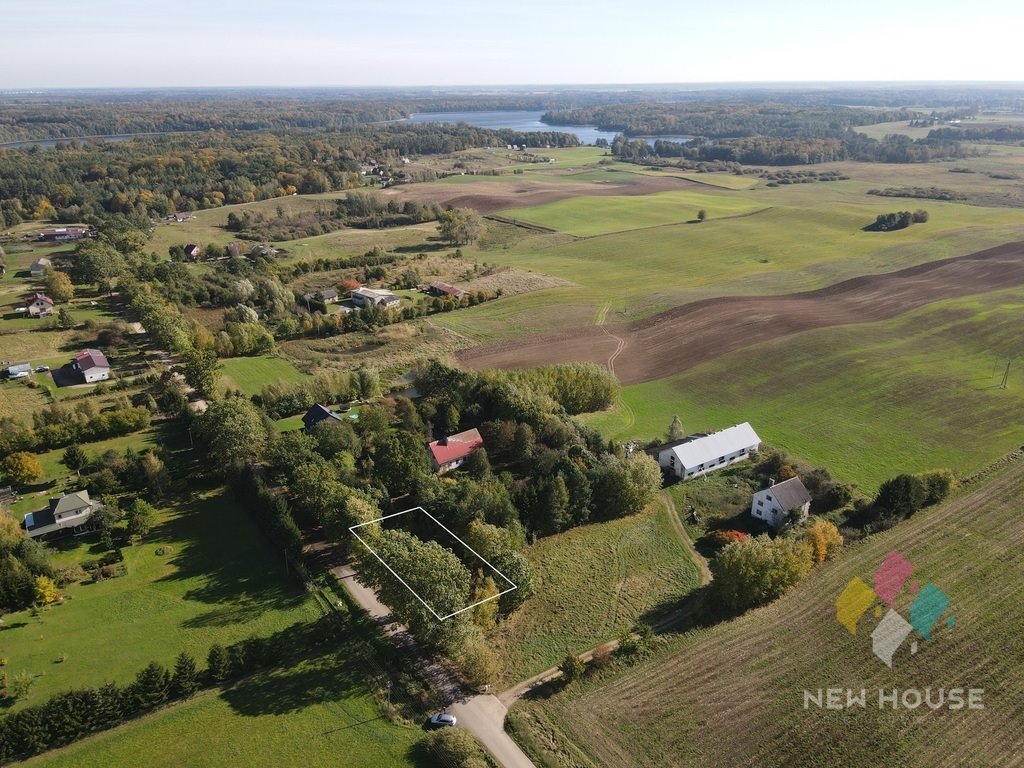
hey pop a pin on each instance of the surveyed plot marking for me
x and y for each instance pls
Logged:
(405, 584)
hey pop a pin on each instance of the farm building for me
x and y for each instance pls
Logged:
(19, 370)
(316, 414)
(697, 456)
(450, 452)
(63, 234)
(39, 305)
(69, 513)
(193, 251)
(369, 297)
(40, 266)
(181, 216)
(778, 501)
(92, 364)
(446, 289)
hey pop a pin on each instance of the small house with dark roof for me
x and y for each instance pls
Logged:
(92, 364)
(370, 297)
(40, 266)
(39, 305)
(193, 251)
(450, 452)
(316, 414)
(782, 502)
(69, 513)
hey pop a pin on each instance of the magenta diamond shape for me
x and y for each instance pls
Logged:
(891, 575)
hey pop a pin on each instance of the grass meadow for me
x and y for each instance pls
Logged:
(251, 374)
(593, 583)
(732, 694)
(868, 401)
(217, 580)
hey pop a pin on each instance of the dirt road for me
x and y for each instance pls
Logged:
(687, 336)
(483, 716)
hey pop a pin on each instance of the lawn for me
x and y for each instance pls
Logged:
(869, 401)
(57, 478)
(216, 580)
(251, 374)
(311, 715)
(732, 694)
(592, 583)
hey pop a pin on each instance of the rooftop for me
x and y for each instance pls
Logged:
(455, 447)
(91, 358)
(703, 450)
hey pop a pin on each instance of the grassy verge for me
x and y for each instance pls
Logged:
(251, 374)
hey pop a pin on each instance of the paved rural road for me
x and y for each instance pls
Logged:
(483, 716)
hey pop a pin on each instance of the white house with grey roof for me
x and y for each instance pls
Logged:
(780, 502)
(70, 512)
(697, 456)
(370, 297)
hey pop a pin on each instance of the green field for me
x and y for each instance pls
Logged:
(593, 583)
(313, 715)
(588, 216)
(251, 374)
(217, 581)
(868, 401)
(732, 694)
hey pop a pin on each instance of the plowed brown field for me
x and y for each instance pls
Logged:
(490, 196)
(687, 336)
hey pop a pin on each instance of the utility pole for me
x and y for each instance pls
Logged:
(1006, 373)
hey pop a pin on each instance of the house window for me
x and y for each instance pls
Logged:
(689, 474)
(721, 459)
(672, 461)
(760, 503)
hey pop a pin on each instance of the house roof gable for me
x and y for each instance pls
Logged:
(88, 359)
(791, 493)
(455, 447)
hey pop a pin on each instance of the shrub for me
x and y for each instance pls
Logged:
(824, 539)
(572, 668)
(717, 539)
(69, 574)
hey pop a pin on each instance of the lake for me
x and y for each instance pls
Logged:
(527, 121)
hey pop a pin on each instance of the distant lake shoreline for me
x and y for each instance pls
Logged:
(528, 121)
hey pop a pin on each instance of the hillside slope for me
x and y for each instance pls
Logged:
(733, 695)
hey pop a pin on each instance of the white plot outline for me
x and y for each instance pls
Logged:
(405, 584)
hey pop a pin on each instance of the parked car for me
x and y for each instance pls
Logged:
(42, 368)
(442, 720)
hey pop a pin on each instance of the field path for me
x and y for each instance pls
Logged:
(684, 337)
(684, 537)
(625, 407)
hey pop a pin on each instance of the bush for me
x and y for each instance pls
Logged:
(453, 747)
(110, 571)
(720, 538)
(572, 668)
(69, 574)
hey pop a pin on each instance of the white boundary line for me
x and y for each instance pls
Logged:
(405, 584)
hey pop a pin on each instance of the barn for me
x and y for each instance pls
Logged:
(697, 456)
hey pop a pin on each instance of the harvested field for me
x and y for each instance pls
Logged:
(490, 196)
(512, 282)
(682, 338)
(732, 695)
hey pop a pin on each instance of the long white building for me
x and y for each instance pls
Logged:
(701, 455)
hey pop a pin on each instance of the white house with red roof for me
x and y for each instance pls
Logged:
(39, 305)
(450, 452)
(92, 364)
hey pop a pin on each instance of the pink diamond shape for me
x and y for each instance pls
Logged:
(891, 576)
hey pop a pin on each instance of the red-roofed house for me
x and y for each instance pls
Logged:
(449, 452)
(92, 364)
(447, 289)
(39, 305)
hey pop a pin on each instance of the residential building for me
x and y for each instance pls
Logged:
(39, 305)
(450, 452)
(446, 289)
(70, 513)
(328, 295)
(370, 297)
(40, 267)
(316, 414)
(193, 251)
(63, 234)
(781, 502)
(697, 456)
(92, 364)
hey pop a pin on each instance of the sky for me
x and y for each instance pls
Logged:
(88, 43)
